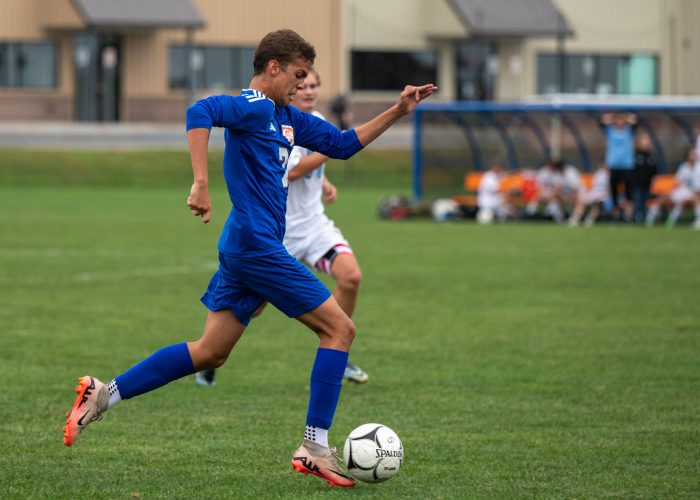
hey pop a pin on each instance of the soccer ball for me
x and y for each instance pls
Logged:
(444, 210)
(373, 453)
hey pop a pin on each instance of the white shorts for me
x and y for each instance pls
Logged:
(590, 197)
(490, 202)
(316, 242)
(546, 193)
(681, 195)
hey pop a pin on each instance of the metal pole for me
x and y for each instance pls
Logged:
(190, 67)
(673, 61)
(555, 135)
(561, 53)
(417, 157)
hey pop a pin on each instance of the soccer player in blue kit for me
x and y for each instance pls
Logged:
(261, 129)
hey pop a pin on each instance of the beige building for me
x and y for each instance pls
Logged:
(145, 60)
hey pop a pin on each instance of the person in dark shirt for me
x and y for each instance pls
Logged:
(645, 168)
(341, 109)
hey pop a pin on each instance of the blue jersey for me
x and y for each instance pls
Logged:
(259, 137)
(620, 148)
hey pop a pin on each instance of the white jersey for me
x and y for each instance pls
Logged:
(304, 205)
(600, 187)
(601, 182)
(572, 179)
(549, 180)
(489, 195)
(310, 233)
(684, 175)
(696, 177)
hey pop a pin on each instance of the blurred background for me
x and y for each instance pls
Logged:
(145, 60)
(100, 74)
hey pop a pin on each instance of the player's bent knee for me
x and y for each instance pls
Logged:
(217, 360)
(213, 361)
(350, 280)
(341, 335)
(207, 359)
(347, 332)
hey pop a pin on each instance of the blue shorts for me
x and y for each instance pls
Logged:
(242, 284)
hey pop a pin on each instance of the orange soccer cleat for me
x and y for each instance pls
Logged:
(88, 407)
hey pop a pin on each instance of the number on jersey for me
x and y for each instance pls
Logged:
(284, 158)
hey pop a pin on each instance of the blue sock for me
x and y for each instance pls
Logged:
(326, 382)
(163, 366)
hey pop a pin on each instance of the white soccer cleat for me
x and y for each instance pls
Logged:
(324, 464)
(355, 374)
(205, 377)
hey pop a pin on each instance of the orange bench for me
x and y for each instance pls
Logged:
(663, 184)
(515, 185)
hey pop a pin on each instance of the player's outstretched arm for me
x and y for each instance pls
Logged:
(199, 201)
(408, 100)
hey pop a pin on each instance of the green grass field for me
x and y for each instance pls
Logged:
(514, 361)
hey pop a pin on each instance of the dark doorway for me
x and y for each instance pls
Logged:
(476, 70)
(97, 60)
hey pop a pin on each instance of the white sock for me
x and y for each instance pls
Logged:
(114, 396)
(317, 435)
(652, 214)
(556, 212)
(675, 213)
(697, 211)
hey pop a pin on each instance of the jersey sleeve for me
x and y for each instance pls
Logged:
(235, 112)
(318, 135)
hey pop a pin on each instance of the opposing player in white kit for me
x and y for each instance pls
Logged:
(681, 195)
(491, 200)
(311, 237)
(594, 198)
(550, 188)
(696, 189)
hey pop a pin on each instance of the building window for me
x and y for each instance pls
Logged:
(635, 74)
(392, 70)
(213, 67)
(28, 65)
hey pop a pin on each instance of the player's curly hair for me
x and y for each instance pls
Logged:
(285, 46)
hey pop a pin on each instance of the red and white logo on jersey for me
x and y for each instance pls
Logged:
(288, 133)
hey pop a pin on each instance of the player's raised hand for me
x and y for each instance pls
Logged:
(408, 100)
(199, 202)
(411, 96)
